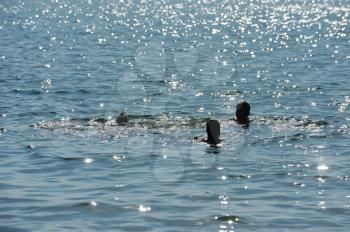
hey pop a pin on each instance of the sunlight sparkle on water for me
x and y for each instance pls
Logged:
(88, 160)
(144, 208)
(93, 203)
(118, 157)
(322, 167)
(174, 64)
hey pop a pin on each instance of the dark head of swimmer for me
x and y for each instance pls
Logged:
(213, 132)
(122, 119)
(242, 113)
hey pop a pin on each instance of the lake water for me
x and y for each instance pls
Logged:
(68, 68)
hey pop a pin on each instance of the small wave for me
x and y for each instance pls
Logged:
(71, 158)
(37, 114)
(229, 218)
(262, 130)
(31, 91)
(145, 121)
(345, 177)
(83, 91)
(292, 121)
(273, 139)
(239, 176)
(62, 92)
(322, 177)
(12, 229)
(167, 121)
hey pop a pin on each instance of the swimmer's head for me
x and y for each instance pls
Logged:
(213, 131)
(122, 119)
(242, 112)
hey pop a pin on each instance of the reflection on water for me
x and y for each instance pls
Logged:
(67, 68)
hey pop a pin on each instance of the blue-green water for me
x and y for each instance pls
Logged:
(173, 65)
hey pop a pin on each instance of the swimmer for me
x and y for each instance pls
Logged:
(242, 113)
(122, 119)
(213, 133)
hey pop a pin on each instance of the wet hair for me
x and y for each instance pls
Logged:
(122, 119)
(242, 112)
(213, 131)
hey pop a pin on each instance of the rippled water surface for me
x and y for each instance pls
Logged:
(67, 68)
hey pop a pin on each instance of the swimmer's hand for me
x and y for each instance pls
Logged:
(199, 138)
